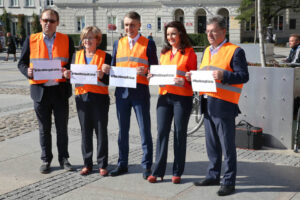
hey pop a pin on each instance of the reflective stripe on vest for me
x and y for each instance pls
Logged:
(181, 62)
(98, 59)
(39, 51)
(136, 57)
(221, 61)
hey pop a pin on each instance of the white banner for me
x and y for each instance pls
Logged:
(162, 74)
(203, 81)
(83, 74)
(122, 77)
(47, 69)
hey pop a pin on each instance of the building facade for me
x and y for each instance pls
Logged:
(25, 7)
(108, 16)
(154, 15)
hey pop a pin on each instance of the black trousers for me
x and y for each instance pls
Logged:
(92, 111)
(52, 102)
(171, 106)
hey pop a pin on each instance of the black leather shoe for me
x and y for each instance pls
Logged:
(64, 164)
(146, 173)
(207, 182)
(226, 190)
(118, 171)
(45, 168)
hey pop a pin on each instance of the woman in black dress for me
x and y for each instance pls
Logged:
(11, 46)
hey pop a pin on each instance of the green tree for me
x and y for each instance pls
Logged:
(35, 24)
(270, 9)
(20, 26)
(5, 18)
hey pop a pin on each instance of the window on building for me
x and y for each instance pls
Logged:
(1, 3)
(28, 28)
(158, 24)
(278, 23)
(247, 25)
(111, 21)
(50, 2)
(80, 23)
(14, 28)
(14, 3)
(252, 23)
(122, 24)
(29, 3)
(292, 23)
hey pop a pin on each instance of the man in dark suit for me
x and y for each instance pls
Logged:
(138, 52)
(230, 70)
(49, 95)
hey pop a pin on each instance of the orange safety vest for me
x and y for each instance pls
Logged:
(136, 57)
(181, 62)
(39, 51)
(221, 61)
(98, 59)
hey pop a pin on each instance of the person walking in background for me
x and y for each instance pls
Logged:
(49, 95)
(294, 56)
(11, 46)
(92, 102)
(174, 101)
(138, 52)
(150, 37)
(230, 70)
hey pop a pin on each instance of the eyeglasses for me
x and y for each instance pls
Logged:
(51, 21)
(89, 38)
(214, 32)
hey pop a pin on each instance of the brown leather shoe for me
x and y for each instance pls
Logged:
(85, 171)
(103, 172)
(176, 179)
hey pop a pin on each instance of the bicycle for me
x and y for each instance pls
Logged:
(196, 119)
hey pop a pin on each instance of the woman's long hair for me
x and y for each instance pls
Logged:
(184, 39)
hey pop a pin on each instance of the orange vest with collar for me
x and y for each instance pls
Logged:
(98, 59)
(39, 51)
(181, 62)
(221, 61)
(136, 57)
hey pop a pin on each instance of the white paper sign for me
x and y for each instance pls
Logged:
(122, 77)
(203, 81)
(162, 74)
(47, 69)
(83, 74)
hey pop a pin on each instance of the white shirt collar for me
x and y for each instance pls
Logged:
(215, 50)
(135, 38)
(45, 36)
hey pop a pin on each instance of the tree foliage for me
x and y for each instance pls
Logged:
(270, 9)
(5, 18)
(35, 24)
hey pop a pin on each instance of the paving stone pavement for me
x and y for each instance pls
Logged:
(263, 174)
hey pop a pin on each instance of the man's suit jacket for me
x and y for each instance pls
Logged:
(141, 91)
(37, 90)
(220, 108)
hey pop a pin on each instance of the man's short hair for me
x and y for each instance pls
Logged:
(52, 11)
(133, 15)
(219, 20)
(297, 36)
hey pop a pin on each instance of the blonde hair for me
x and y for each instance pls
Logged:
(94, 30)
